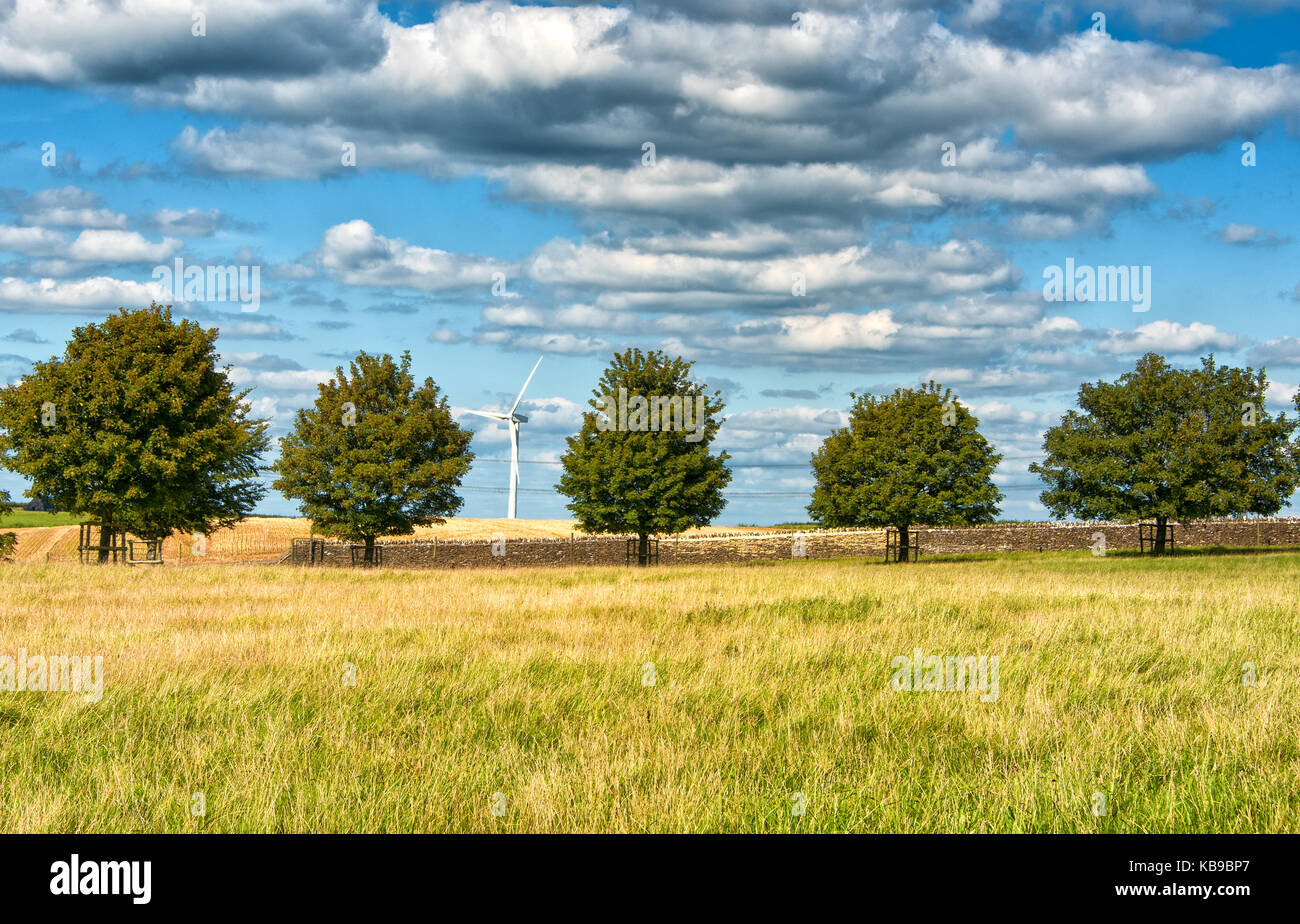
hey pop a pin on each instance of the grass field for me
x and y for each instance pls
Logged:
(1120, 676)
(36, 518)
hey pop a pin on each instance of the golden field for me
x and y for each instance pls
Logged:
(525, 691)
(264, 540)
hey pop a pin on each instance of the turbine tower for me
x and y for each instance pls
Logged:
(514, 420)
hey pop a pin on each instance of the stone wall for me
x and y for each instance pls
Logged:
(776, 546)
(603, 550)
(1055, 537)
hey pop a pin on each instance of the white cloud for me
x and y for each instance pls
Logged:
(291, 380)
(121, 247)
(79, 296)
(1167, 337)
(808, 334)
(353, 253)
(34, 242)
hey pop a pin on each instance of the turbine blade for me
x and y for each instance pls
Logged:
(526, 381)
(492, 414)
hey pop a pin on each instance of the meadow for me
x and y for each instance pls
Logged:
(30, 519)
(739, 698)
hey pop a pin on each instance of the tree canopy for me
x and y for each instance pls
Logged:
(1170, 444)
(641, 462)
(376, 455)
(912, 458)
(136, 427)
(8, 541)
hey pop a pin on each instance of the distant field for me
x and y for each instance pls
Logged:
(29, 518)
(1119, 676)
(262, 540)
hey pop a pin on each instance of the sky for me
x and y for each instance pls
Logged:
(808, 200)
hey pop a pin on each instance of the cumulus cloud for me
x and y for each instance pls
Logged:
(78, 296)
(1167, 337)
(121, 247)
(353, 253)
(33, 242)
(810, 334)
(281, 380)
(1281, 396)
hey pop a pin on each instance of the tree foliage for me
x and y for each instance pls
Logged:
(912, 458)
(646, 481)
(1170, 444)
(136, 427)
(376, 455)
(8, 541)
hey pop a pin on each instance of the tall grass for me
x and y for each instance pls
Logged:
(1117, 676)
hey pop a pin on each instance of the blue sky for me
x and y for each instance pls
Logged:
(498, 138)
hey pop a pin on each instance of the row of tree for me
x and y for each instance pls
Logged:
(137, 428)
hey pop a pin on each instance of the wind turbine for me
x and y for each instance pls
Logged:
(514, 420)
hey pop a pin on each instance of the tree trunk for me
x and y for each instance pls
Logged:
(642, 550)
(105, 538)
(904, 551)
(370, 550)
(1160, 534)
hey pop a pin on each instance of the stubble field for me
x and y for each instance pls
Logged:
(729, 698)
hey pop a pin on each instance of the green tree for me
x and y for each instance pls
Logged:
(136, 427)
(376, 456)
(1171, 444)
(913, 458)
(641, 462)
(8, 541)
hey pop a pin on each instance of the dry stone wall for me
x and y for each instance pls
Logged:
(778, 546)
(1056, 537)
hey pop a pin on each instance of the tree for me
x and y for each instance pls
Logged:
(136, 427)
(641, 462)
(376, 456)
(913, 458)
(8, 541)
(1170, 444)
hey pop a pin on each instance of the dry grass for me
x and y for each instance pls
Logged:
(1118, 675)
